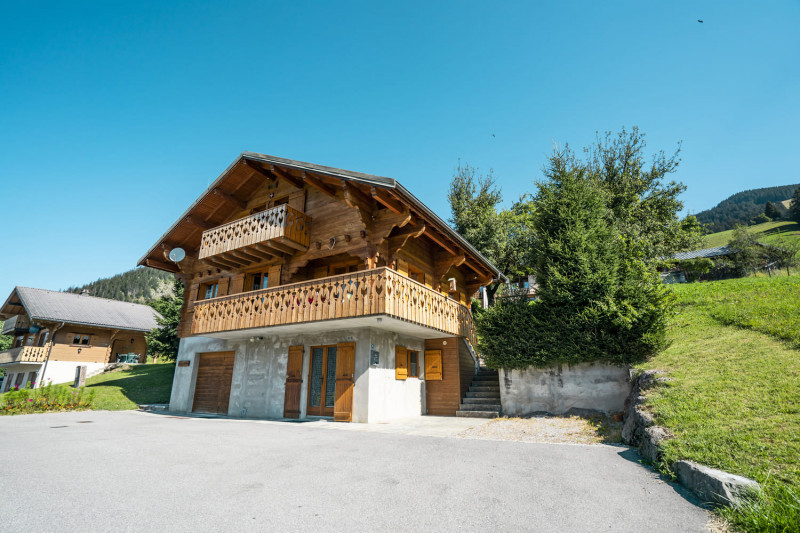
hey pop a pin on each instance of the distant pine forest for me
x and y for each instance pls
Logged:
(742, 207)
(140, 285)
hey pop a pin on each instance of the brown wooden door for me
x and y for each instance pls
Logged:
(345, 368)
(321, 381)
(212, 390)
(294, 380)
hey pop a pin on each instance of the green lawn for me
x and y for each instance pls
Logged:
(767, 232)
(125, 389)
(734, 402)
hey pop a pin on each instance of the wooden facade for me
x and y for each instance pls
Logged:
(276, 242)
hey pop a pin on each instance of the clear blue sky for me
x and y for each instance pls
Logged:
(116, 115)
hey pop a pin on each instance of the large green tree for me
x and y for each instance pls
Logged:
(163, 340)
(771, 211)
(502, 236)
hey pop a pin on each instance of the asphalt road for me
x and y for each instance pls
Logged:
(130, 471)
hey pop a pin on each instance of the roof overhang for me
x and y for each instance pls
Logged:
(156, 259)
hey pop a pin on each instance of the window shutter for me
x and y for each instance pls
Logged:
(274, 276)
(222, 289)
(400, 362)
(433, 365)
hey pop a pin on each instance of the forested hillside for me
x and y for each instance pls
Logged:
(743, 207)
(138, 285)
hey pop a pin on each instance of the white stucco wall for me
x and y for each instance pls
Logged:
(64, 371)
(556, 390)
(259, 374)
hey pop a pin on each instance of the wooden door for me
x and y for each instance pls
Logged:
(212, 390)
(322, 381)
(345, 368)
(294, 380)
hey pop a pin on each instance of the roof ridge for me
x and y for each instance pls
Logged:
(78, 295)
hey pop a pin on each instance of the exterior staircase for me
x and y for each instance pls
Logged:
(483, 398)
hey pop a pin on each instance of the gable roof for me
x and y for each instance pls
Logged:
(54, 306)
(706, 252)
(247, 159)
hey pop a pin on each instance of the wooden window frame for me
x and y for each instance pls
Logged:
(201, 290)
(81, 344)
(250, 275)
(416, 370)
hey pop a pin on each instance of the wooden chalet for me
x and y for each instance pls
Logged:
(315, 291)
(56, 332)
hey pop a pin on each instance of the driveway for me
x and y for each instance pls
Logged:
(133, 471)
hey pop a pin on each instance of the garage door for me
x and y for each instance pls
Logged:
(212, 389)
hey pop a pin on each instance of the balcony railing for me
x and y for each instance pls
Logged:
(380, 291)
(281, 224)
(24, 354)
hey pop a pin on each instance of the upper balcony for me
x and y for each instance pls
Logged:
(380, 292)
(24, 354)
(256, 237)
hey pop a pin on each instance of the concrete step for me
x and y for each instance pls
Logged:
(478, 414)
(478, 401)
(495, 394)
(486, 378)
(480, 407)
(483, 388)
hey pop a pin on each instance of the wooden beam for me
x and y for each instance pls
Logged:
(413, 231)
(202, 224)
(315, 182)
(261, 248)
(160, 265)
(261, 170)
(244, 256)
(212, 262)
(288, 242)
(356, 198)
(388, 200)
(440, 241)
(286, 176)
(241, 204)
(222, 261)
(226, 258)
(259, 253)
(478, 270)
(169, 246)
(275, 248)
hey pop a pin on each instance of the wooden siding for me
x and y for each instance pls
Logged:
(444, 397)
(370, 292)
(103, 344)
(466, 367)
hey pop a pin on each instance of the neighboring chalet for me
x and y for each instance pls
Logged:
(315, 291)
(56, 332)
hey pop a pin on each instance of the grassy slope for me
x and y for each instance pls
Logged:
(767, 232)
(733, 403)
(125, 389)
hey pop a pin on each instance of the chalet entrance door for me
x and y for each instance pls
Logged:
(322, 381)
(212, 390)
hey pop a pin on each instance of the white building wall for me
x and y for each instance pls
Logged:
(259, 374)
(64, 371)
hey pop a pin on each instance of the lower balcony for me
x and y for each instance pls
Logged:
(380, 292)
(24, 354)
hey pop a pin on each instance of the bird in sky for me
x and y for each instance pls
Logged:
(700, 21)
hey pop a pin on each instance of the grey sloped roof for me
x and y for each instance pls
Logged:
(706, 252)
(55, 306)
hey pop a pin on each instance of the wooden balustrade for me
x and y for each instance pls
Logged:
(380, 291)
(24, 354)
(281, 222)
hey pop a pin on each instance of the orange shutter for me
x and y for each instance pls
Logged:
(294, 380)
(400, 362)
(222, 289)
(274, 276)
(237, 284)
(345, 368)
(433, 365)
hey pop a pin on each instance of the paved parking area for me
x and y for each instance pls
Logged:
(133, 471)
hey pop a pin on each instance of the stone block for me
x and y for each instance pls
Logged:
(715, 486)
(650, 448)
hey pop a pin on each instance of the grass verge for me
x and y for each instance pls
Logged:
(733, 402)
(121, 390)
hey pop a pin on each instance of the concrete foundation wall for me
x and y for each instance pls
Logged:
(259, 374)
(64, 371)
(556, 390)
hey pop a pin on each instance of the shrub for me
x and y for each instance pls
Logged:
(597, 300)
(47, 398)
(695, 268)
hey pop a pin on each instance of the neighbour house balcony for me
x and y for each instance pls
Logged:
(16, 325)
(380, 291)
(252, 239)
(24, 354)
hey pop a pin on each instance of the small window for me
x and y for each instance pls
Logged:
(259, 281)
(208, 290)
(416, 274)
(413, 364)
